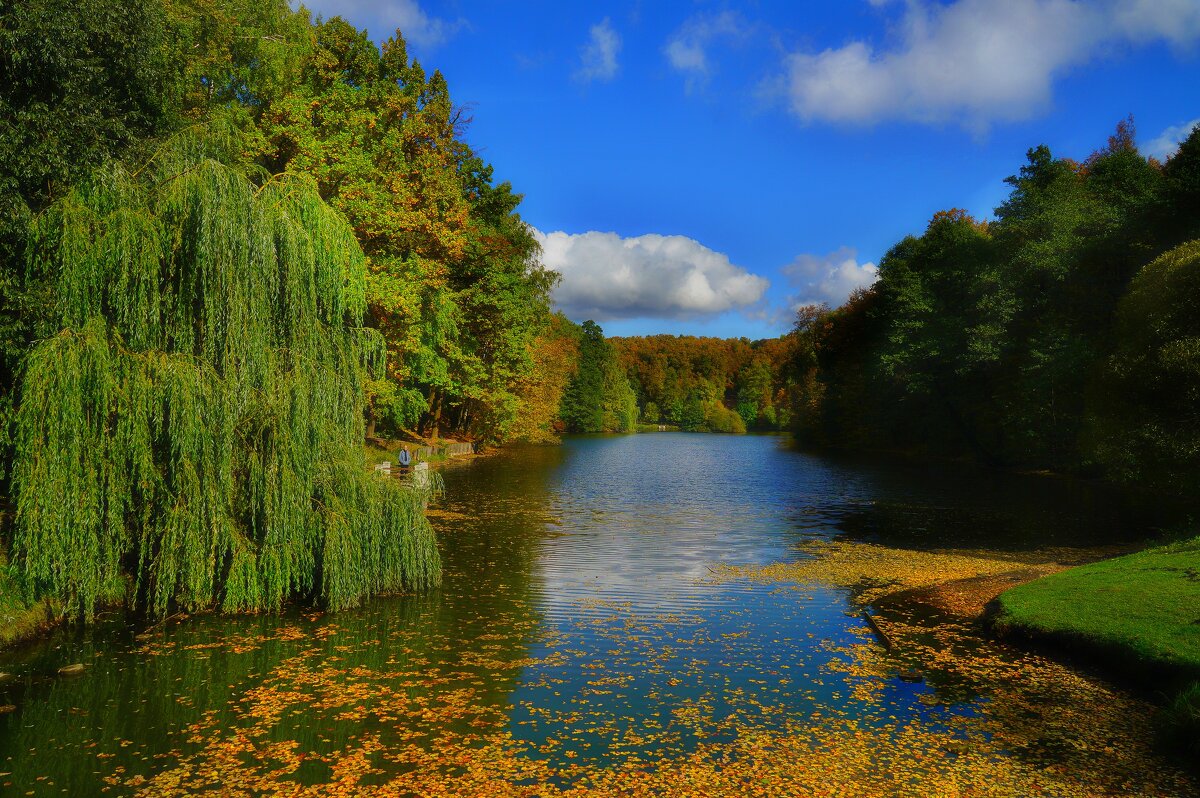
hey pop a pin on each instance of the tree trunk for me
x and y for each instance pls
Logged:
(435, 415)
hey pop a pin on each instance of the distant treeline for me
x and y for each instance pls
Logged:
(710, 384)
(694, 384)
(1063, 335)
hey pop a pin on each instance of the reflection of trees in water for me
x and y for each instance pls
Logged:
(137, 699)
(403, 655)
(930, 506)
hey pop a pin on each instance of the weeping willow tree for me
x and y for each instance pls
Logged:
(194, 427)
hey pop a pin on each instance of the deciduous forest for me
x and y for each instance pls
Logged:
(236, 240)
(1062, 335)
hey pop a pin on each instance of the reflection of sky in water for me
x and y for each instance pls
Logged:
(643, 644)
(643, 518)
(577, 611)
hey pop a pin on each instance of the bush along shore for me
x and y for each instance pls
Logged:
(1138, 615)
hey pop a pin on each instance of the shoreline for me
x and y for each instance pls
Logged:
(901, 592)
(29, 624)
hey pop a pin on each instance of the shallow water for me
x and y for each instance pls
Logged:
(579, 628)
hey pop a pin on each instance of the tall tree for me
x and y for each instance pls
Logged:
(80, 82)
(583, 400)
(456, 287)
(555, 358)
(196, 420)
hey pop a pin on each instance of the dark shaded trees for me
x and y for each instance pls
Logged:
(1032, 340)
(1144, 423)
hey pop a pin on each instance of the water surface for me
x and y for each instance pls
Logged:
(579, 628)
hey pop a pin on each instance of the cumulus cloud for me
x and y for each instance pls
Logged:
(687, 49)
(1166, 143)
(1142, 21)
(976, 61)
(413, 21)
(598, 59)
(828, 279)
(605, 276)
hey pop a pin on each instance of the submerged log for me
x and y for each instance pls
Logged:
(882, 636)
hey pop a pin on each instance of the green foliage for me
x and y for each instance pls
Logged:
(455, 284)
(555, 358)
(994, 341)
(196, 421)
(719, 418)
(598, 397)
(927, 294)
(582, 408)
(79, 83)
(1180, 211)
(620, 402)
(1145, 429)
(691, 418)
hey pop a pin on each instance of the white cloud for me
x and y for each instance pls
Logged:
(598, 58)
(605, 276)
(687, 49)
(1166, 143)
(976, 61)
(828, 278)
(418, 27)
(1141, 21)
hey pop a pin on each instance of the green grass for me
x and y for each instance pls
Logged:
(1139, 614)
(21, 619)
(1143, 608)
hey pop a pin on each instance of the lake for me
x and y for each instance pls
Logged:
(587, 636)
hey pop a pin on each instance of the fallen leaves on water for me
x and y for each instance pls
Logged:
(874, 570)
(421, 729)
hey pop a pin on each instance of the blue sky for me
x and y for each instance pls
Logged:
(704, 167)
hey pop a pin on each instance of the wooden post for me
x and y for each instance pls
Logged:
(884, 640)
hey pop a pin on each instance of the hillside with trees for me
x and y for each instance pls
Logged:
(1061, 335)
(235, 240)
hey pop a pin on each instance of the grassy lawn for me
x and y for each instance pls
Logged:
(1145, 607)
(1141, 612)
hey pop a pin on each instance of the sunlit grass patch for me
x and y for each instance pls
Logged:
(1140, 612)
(1143, 607)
